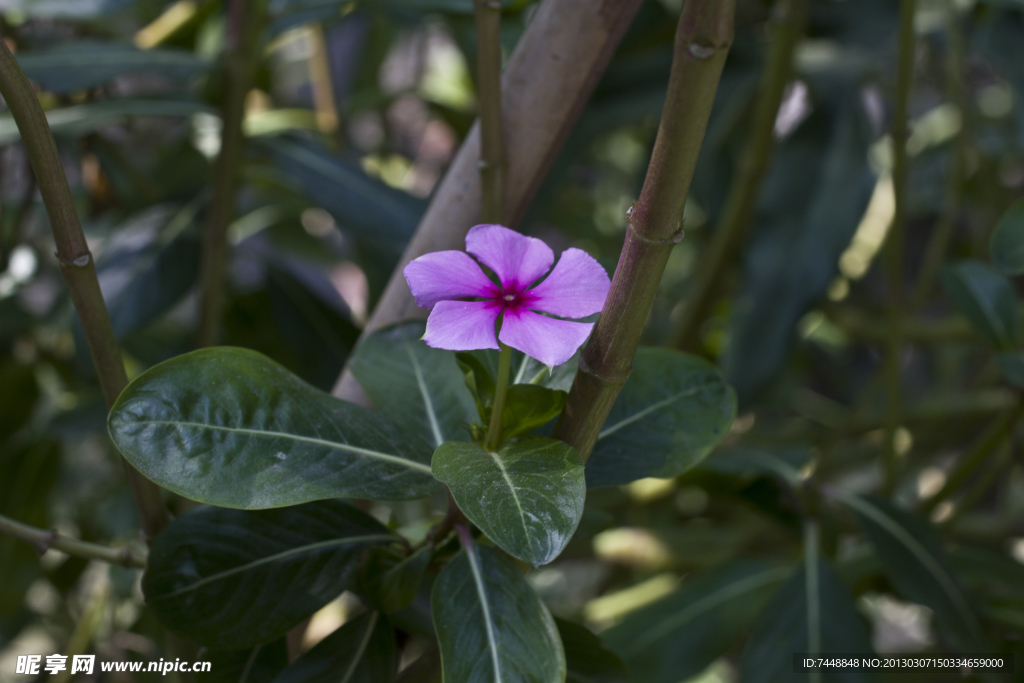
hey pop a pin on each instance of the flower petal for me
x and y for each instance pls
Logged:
(550, 341)
(446, 275)
(518, 260)
(576, 288)
(462, 325)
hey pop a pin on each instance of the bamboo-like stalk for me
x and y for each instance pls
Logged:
(76, 264)
(654, 222)
(487, 14)
(546, 83)
(938, 243)
(787, 26)
(245, 20)
(894, 246)
(44, 539)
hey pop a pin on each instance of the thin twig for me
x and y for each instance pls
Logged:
(654, 222)
(244, 24)
(788, 20)
(44, 539)
(76, 263)
(895, 242)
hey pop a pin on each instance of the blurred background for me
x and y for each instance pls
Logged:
(358, 108)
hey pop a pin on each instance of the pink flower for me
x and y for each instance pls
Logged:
(464, 304)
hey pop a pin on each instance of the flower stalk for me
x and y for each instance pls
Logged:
(787, 26)
(76, 264)
(244, 23)
(654, 222)
(500, 390)
(895, 243)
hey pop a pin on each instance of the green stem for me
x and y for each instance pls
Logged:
(788, 20)
(245, 21)
(994, 436)
(654, 223)
(500, 390)
(76, 263)
(492, 142)
(938, 244)
(43, 540)
(895, 242)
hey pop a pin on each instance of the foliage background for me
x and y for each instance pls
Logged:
(357, 110)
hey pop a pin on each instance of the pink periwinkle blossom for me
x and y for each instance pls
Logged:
(465, 304)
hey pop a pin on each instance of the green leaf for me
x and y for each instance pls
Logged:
(414, 384)
(1007, 246)
(87, 64)
(996, 578)
(491, 626)
(587, 658)
(479, 381)
(528, 406)
(913, 560)
(1011, 364)
(680, 635)
(814, 602)
(987, 299)
(527, 497)
(360, 651)
(391, 581)
(86, 118)
(377, 214)
(527, 370)
(230, 427)
(232, 578)
(673, 411)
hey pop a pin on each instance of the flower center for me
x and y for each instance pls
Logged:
(510, 298)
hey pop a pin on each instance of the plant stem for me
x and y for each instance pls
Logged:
(788, 20)
(938, 244)
(996, 433)
(244, 24)
(895, 242)
(500, 390)
(43, 539)
(654, 222)
(76, 263)
(568, 41)
(492, 143)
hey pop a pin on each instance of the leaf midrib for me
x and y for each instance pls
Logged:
(920, 552)
(704, 604)
(639, 415)
(294, 437)
(481, 592)
(361, 650)
(515, 496)
(284, 555)
(428, 403)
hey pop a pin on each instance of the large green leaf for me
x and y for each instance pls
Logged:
(587, 658)
(491, 626)
(673, 411)
(377, 214)
(232, 578)
(1007, 246)
(987, 299)
(390, 580)
(527, 497)
(230, 427)
(415, 385)
(86, 64)
(680, 635)
(812, 613)
(913, 560)
(361, 651)
(811, 202)
(85, 118)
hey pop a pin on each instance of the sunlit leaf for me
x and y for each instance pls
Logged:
(230, 427)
